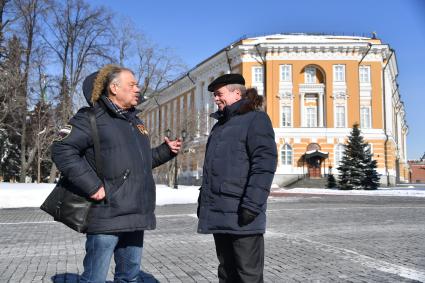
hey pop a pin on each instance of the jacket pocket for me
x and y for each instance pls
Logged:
(232, 188)
(117, 183)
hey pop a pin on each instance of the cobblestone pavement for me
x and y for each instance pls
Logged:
(309, 239)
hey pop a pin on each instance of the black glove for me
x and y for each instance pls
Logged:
(246, 216)
(199, 203)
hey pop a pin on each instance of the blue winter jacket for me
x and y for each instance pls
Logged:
(240, 161)
(127, 161)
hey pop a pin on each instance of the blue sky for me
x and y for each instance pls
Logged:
(197, 29)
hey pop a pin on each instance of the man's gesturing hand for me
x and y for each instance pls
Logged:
(99, 195)
(174, 145)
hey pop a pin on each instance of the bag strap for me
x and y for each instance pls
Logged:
(96, 142)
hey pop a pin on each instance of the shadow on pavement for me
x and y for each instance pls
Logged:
(72, 277)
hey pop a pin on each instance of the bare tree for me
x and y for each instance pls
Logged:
(28, 12)
(155, 67)
(42, 124)
(7, 17)
(79, 36)
(124, 42)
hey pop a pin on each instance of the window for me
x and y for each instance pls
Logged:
(311, 117)
(339, 152)
(310, 75)
(286, 116)
(339, 73)
(340, 116)
(286, 155)
(364, 73)
(285, 73)
(257, 75)
(365, 122)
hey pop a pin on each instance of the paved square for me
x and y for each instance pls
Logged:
(309, 239)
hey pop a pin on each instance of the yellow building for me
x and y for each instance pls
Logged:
(316, 87)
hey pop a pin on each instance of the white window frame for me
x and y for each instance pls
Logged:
(257, 75)
(313, 122)
(286, 73)
(338, 153)
(364, 74)
(339, 73)
(286, 155)
(310, 75)
(340, 120)
(365, 123)
(288, 118)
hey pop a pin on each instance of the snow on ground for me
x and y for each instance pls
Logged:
(14, 195)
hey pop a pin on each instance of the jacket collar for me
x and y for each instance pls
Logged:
(116, 111)
(238, 108)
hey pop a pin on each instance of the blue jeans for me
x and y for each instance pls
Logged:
(127, 249)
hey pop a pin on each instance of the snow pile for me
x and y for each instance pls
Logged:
(32, 195)
(411, 191)
(23, 194)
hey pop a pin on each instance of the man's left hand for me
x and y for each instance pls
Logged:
(174, 145)
(246, 216)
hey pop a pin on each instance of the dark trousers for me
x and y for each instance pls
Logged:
(241, 258)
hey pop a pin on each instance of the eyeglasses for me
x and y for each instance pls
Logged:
(131, 85)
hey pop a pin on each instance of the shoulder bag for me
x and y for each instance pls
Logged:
(66, 203)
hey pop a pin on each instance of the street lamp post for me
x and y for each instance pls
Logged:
(176, 185)
(168, 135)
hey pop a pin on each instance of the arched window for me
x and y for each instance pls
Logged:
(286, 154)
(339, 152)
(310, 75)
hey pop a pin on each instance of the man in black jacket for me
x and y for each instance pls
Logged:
(125, 198)
(240, 161)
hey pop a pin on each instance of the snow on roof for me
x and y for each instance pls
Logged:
(306, 38)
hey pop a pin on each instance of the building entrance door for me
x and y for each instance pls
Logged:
(314, 165)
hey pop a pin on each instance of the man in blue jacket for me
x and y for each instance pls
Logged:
(240, 161)
(125, 198)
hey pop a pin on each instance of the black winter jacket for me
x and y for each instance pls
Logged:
(127, 161)
(240, 161)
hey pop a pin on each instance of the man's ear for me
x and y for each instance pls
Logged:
(113, 89)
(239, 92)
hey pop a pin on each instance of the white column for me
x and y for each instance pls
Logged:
(199, 104)
(206, 110)
(320, 105)
(302, 109)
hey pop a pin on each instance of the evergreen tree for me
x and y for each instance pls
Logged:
(371, 181)
(357, 169)
(331, 181)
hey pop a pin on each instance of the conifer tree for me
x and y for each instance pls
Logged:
(331, 181)
(357, 169)
(371, 181)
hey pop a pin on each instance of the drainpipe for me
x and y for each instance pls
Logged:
(367, 52)
(188, 75)
(385, 119)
